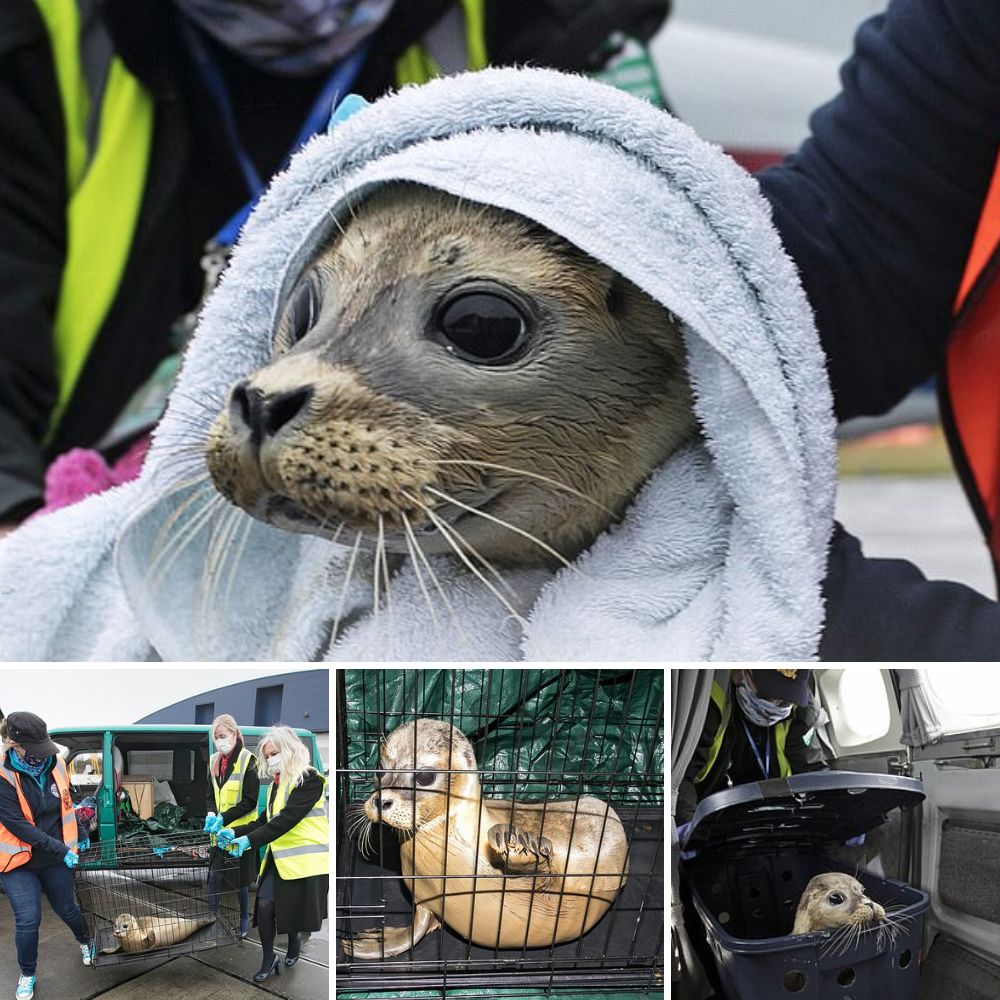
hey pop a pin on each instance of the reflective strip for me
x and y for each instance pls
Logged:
(417, 65)
(290, 852)
(18, 848)
(105, 179)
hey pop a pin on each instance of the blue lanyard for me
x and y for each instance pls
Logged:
(764, 765)
(339, 82)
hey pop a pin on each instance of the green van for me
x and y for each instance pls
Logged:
(151, 764)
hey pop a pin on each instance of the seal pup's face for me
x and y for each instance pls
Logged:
(125, 924)
(835, 900)
(413, 783)
(455, 374)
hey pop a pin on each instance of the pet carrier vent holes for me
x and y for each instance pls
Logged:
(905, 957)
(846, 977)
(794, 981)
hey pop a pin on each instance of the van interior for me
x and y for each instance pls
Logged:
(938, 725)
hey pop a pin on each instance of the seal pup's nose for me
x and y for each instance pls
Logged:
(264, 414)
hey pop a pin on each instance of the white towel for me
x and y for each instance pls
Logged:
(720, 556)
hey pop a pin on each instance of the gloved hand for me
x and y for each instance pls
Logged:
(70, 860)
(213, 823)
(226, 837)
(238, 846)
(858, 841)
(84, 844)
(350, 105)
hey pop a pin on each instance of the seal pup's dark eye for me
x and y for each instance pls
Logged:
(482, 327)
(303, 309)
(426, 777)
(835, 898)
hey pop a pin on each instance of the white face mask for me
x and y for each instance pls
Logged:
(225, 744)
(274, 763)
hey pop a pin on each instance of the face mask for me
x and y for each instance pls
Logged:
(225, 746)
(274, 763)
(760, 711)
(30, 762)
(289, 37)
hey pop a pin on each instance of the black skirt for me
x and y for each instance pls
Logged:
(299, 903)
(235, 873)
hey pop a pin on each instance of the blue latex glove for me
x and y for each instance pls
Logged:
(84, 844)
(213, 823)
(238, 846)
(858, 841)
(350, 105)
(70, 860)
(161, 851)
(226, 837)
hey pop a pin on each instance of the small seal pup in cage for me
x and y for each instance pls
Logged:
(137, 934)
(539, 873)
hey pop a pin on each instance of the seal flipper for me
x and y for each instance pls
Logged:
(370, 943)
(112, 951)
(148, 941)
(520, 852)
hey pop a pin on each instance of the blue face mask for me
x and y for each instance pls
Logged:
(760, 711)
(29, 762)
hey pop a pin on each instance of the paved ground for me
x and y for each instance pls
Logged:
(220, 974)
(925, 519)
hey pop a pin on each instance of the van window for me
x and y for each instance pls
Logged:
(964, 698)
(160, 764)
(86, 771)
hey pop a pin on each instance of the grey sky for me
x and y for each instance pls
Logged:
(88, 696)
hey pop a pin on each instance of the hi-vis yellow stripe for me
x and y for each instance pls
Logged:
(104, 190)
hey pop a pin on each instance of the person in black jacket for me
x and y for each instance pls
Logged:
(233, 792)
(294, 877)
(742, 739)
(225, 106)
(878, 209)
(39, 840)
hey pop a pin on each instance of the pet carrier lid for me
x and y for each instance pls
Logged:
(805, 809)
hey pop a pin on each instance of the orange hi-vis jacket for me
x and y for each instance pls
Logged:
(14, 852)
(970, 389)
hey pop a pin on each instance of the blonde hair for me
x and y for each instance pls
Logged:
(228, 722)
(295, 765)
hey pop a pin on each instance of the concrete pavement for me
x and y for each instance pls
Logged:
(217, 974)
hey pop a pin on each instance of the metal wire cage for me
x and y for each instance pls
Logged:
(150, 896)
(543, 740)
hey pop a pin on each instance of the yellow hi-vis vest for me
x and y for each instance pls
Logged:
(418, 65)
(14, 852)
(108, 119)
(305, 849)
(725, 706)
(232, 789)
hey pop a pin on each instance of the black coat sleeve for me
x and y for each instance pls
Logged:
(687, 795)
(885, 609)
(251, 791)
(13, 819)
(301, 800)
(879, 206)
(32, 249)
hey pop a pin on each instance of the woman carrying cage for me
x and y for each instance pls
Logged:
(233, 789)
(39, 840)
(295, 874)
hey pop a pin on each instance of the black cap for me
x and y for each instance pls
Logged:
(786, 685)
(30, 732)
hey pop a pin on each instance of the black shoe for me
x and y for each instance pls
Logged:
(291, 957)
(265, 974)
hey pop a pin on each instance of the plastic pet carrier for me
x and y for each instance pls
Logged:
(150, 896)
(758, 845)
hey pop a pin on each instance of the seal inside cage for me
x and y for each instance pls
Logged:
(150, 896)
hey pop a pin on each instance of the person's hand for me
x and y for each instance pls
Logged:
(226, 837)
(213, 823)
(238, 846)
(70, 860)
(858, 841)
(84, 844)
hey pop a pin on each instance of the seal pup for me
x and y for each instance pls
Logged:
(449, 375)
(539, 873)
(832, 900)
(137, 934)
